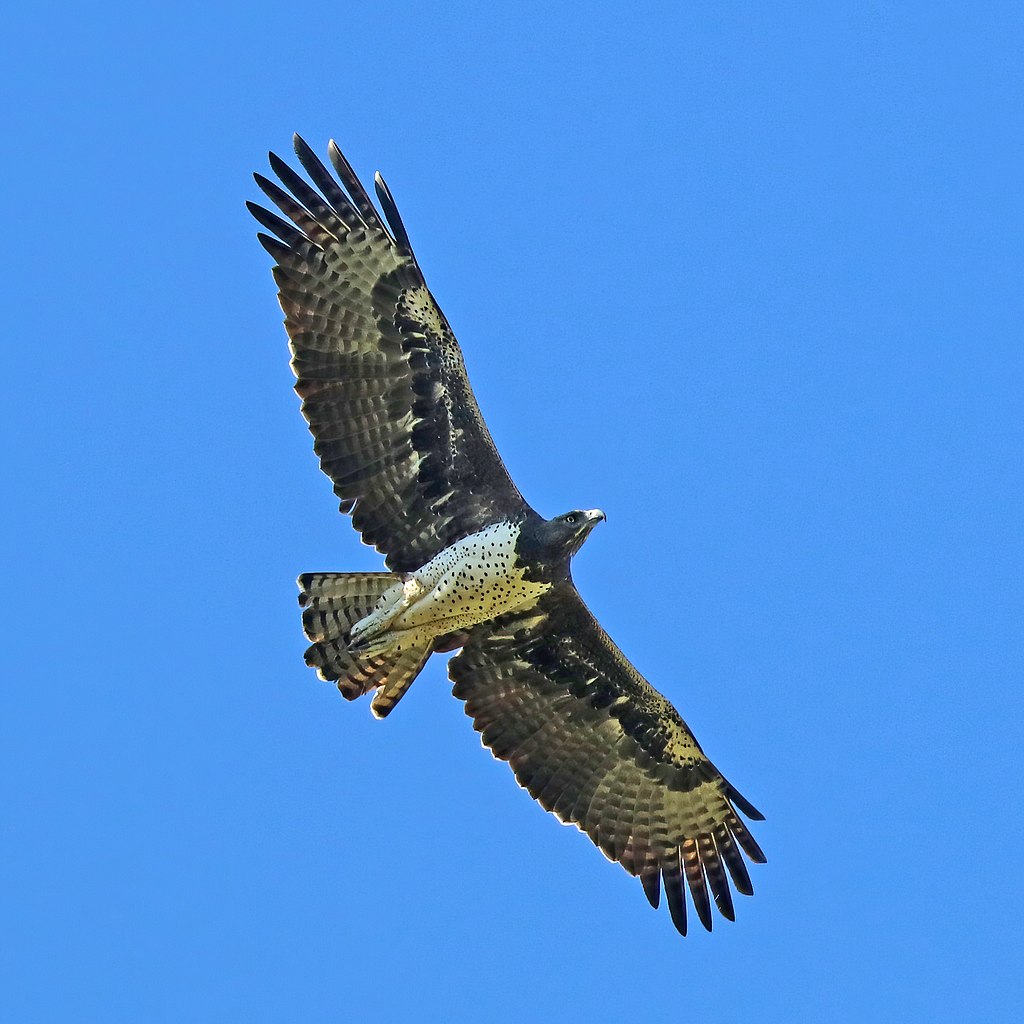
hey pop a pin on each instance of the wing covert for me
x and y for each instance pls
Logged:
(381, 377)
(594, 743)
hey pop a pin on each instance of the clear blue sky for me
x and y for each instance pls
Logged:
(748, 277)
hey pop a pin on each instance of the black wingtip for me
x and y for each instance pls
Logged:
(286, 232)
(277, 249)
(387, 202)
(674, 893)
(269, 188)
(743, 804)
(723, 900)
(336, 157)
(702, 906)
(733, 860)
(303, 150)
(351, 181)
(747, 842)
(651, 881)
(279, 167)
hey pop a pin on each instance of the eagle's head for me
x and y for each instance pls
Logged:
(564, 535)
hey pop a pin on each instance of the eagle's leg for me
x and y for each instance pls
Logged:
(395, 600)
(389, 640)
(449, 628)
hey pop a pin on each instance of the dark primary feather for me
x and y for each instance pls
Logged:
(597, 745)
(324, 181)
(394, 218)
(381, 376)
(348, 177)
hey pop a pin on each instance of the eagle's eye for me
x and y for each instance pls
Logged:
(571, 517)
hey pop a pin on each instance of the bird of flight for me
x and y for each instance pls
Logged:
(472, 565)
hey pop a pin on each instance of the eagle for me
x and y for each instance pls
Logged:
(471, 566)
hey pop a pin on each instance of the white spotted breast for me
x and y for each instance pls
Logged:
(475, 579)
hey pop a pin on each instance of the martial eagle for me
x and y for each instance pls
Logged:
(471, 565)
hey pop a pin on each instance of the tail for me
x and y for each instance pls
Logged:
(333, 603)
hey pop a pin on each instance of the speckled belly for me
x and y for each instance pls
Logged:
(475, 579)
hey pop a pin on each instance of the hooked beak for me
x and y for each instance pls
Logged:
(591, 517)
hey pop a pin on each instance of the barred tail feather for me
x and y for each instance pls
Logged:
(332, 603)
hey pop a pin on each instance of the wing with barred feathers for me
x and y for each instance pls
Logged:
(381, 376)
(598, 746)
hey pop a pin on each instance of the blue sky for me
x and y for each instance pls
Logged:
(747, 277)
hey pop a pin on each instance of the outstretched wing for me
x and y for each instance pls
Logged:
(380, 374)
(597, 745)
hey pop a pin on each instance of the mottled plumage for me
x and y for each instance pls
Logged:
(380, 374)
(397, 429)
